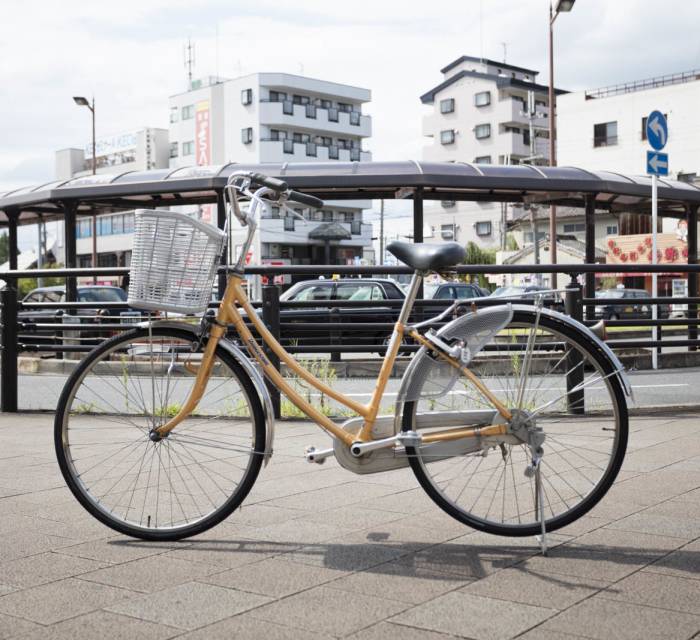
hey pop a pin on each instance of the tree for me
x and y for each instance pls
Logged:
(477, 255)
(4, 248)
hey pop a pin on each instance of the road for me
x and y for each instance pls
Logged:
(667, 387)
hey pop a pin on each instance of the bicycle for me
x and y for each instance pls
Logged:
(513, 418)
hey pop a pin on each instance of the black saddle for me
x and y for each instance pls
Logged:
(428, 257)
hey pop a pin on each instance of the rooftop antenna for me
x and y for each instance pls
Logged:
(481, 29)
(189, 61)
(505, 50)
(218, 78)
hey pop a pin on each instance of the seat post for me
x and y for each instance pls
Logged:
(414, 287)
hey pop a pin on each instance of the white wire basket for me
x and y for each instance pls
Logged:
(173, 262)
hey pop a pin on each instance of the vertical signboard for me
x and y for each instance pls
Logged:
(202, 146)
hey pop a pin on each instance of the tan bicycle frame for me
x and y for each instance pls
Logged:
(228, 313)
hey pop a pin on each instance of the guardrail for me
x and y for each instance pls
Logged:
(20, 336)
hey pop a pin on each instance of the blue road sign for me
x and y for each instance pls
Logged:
(657, 130)
(657, 163)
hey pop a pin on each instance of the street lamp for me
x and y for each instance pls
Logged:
(560, 7)
(83, 102)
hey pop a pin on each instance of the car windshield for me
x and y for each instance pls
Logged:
(505, 292)
(610, 293)
(429, 290)
(106, 294)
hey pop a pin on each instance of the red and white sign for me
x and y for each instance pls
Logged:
(202, 147)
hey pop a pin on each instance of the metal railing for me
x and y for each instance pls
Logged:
(66, 334)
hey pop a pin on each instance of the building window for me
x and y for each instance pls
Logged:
(129, 223)
(188, 148)
(188, 112)
(117, 224)
(173, 114)
(332, 115)
(311, 111)
(483, 228)
(288, 146)
(447, 231)
(83, 228)
(356, 227)
(297, 99)
(288, 223)
(482, 160)
(247, 96)
(288, 107)
(344, 106)
(605, 134)
(482, 99)
(173, 149)
(311, 149)
(277, 96)
(247, 135)
(447, 105)
(447, 136)
(526, 137)
(447, 204)
(611, 230)
(333, 152)
(482, 131)
(574, 227)
(355, 118)
(354, 155)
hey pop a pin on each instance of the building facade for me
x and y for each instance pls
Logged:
(482, 112)
(279, 118)
(139, 150)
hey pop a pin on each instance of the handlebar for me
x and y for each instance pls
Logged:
(305, 198)
(270, 183)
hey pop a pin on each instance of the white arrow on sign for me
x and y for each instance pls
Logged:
(657, 163)
(658, 129)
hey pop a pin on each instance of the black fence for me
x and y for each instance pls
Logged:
(71, 327)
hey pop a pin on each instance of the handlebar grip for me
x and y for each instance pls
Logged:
(270, 183)
(305, 198)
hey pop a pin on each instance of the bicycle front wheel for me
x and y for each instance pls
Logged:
(552, 376)
(178, 486)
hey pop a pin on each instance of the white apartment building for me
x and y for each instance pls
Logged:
(279, 118)
(606, 128)
(138, 150)
(481, 114)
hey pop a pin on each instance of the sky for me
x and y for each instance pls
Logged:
(129, 55)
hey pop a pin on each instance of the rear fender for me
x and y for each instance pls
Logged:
(247, 365)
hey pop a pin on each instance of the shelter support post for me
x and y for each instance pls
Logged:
(221, 223)
(418, 215)
(12, 217)
(692, 212)
(69, 231)
(590, 252)
(8, 370)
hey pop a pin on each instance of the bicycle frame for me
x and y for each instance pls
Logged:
(228, 313)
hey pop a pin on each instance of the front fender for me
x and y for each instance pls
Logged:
(247, 365)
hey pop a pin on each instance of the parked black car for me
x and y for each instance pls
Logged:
(618, 304)
(452, 291)
(87, 293)
(374, 290)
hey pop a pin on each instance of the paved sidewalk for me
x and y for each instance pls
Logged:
(378, 560)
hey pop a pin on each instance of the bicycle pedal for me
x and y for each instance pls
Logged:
(312, 454)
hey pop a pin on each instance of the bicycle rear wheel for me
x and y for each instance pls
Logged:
(178, 486)
(569, 389)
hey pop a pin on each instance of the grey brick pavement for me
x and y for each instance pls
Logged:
(316, 552)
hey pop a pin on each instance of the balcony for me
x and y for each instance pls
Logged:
(519, 148)
(290, 151)
(509, 112)
(287, 114)
(277, 231)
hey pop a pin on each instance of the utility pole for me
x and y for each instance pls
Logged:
(381, 232)
(536, 244)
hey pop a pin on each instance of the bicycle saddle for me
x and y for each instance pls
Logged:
(428, 257)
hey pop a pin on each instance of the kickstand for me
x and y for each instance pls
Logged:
(539, 507)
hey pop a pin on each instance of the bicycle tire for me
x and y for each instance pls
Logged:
(190, 450)
(605, 367)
